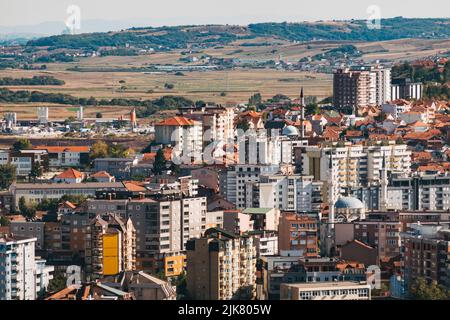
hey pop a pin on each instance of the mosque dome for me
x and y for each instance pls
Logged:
(290, 131)
(348, 203)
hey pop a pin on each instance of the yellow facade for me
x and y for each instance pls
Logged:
(174, 265)
(111, 254)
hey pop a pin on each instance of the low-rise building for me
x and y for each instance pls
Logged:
(326, 291)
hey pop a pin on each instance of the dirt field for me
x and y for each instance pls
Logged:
(234, 86)
(238, 85)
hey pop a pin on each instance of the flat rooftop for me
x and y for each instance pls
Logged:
(327, 285)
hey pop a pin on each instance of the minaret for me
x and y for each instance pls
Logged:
(302, 116)
(331, 199)
(329, 240)
(384, 184)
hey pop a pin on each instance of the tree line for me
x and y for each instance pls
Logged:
(144, 108)
(34, 81)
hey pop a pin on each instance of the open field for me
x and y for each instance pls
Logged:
(231, 86)
(238, 84)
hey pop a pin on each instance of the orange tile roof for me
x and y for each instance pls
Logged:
(421, 156)
(101, 174)
(252, 114)
(131, 186)
(68, 204)
(176, 121)
(58, 149)
(431, 167)
(354, 133)
(70, 174)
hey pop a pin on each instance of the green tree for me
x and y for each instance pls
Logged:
(75, 199)
(255, 99)
(4, 222)
(160, 162)
(21, 144)
(181, 284)
(50, 205)
(36, 171)
(7, 175)
(46, 164)
(99, 150)
(420, 290)
(58, 283)
(69, 120)
(28, 211)
(119, 151)
(242, 124)
(312, 109)
(446, 75)
(99, 115)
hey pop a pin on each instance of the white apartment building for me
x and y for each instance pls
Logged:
(348, 166)
(424, 192)
(24, 160)
(185, 135)
(22, 276)
(217, 120)
(382, 84)
(342, 290)
(238, 178)
(286, 192)
(66, 156)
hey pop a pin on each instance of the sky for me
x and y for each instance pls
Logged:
(177, 12)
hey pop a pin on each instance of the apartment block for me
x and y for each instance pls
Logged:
(229, 260)
(66, 156)
(185, 135)
(288, 192)
(298, 234)
(427, 253)
(347, 166)
(361, 86)
(23, 276)
(428, 191)
(163, 226)
(404, 88)
(110, 246)
(238, 179)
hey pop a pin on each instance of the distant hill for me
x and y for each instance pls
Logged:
(167, 38)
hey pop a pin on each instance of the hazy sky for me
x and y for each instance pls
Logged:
(172, 12)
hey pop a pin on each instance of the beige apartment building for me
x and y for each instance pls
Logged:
(221, 266)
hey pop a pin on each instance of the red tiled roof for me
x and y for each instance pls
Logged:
(176, 121)
(68, 204)
(101, 174)
(132, 186)
(59, 149)
(70, 174)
